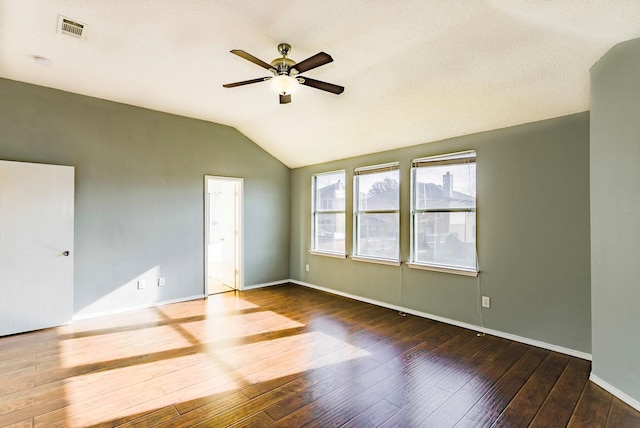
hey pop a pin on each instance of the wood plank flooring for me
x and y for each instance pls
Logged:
(288, 356)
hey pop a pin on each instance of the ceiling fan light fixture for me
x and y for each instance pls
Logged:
(284, 85)
(286, 73)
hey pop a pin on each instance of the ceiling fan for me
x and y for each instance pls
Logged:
(286, 72)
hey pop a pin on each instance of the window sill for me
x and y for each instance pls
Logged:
(328, 254)
(374, 260)
(444, 269)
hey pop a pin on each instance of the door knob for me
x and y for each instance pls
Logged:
(65, 253)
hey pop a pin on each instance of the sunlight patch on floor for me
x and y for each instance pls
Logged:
(119, 345)
(211, 306)
(121, 392)
(190, 363)
(257, 363)
(240, 326)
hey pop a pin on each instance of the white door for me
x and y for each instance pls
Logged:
(36, 246)
(223, 232)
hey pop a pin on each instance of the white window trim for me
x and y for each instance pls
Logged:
(389, 262)
(389, 166)
(444, 269)
(372, 169)
(455, 158)
(314, 212)
(328, 254)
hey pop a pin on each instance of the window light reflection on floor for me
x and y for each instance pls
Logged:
(230, 345)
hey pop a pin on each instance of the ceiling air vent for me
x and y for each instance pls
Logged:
(71, 28)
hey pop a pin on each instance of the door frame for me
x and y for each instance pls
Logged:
(239, 244)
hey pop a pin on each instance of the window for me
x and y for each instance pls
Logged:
(443, 212)
(376, 212)
(328, 212)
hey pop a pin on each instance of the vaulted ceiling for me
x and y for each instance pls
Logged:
(415, 71)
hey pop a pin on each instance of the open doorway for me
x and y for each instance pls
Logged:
(223, 234)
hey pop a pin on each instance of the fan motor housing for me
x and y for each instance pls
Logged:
(282, 65)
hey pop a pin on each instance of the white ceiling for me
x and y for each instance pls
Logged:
(415, 71)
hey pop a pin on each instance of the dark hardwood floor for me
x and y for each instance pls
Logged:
(288, 356)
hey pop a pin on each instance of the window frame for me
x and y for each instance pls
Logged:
(357, 211)
(457, 158)
(315, 210)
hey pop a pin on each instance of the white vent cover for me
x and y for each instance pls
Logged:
(71, 27)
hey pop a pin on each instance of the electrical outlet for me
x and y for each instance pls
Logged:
(306, 268)
(486, 301)
(160, 282)
(141, 284)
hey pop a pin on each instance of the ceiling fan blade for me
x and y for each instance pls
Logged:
(285, 99)
(246, 82)
(253, 59)
(324, 86)
(312, 62)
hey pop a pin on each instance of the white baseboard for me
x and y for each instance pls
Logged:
(515, 338)
(266, 284)
(615, 391)
(133, 308)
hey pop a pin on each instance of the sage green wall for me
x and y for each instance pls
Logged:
(533, 235)
(615, 208)
(139, 192)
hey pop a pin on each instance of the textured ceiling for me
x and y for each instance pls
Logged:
(415, 71)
